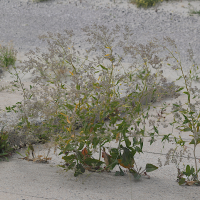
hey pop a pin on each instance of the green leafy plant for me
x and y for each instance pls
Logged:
(192, 10)
(186, 114)
(7, 56)
(5, 149)
(137, 173)
(145, 3)
(86, 105)
(191, 176)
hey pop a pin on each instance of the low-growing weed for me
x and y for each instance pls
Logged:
(94, 104)
(5, 149)
(186, 114)
(145, 3)
(7, 56)
(192, 10)
(96, 111)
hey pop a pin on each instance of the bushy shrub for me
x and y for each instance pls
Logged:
(86, 105)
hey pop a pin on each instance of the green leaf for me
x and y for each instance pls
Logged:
(191, 113)
(79, 170)
(155, 129)
(150, 167)
(179, 78)
(192, 141)
(192, 170)
(128, 156)
(166, 137)
(176, 105)
(70, 158)
(132, 171)
(181, 181)
(92, 162)
(186, 119)
(198, 140)
(141, 143)
(138, 149)
(186, 129)
(94, 98)
(19, 154)
(127, 141)
(188, 94)
(81, 145)
(68, 147)
(69, 106)
(180, 89)
(188, 170)
(119, 173)
(136, 175)
(114, 152)
(78, 87)
(103, 67)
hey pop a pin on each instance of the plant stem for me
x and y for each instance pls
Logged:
(194, 151)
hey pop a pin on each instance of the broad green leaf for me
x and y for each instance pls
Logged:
(181, 181)
(150, 167)
(192, 170)
(188, 169)
(192, 141)
(69, 159)
(127, 158)
(79, 170)
(92, 162)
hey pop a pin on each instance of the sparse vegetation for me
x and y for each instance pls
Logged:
(86, 105)
(186, 114)
(7, 56)
(145, 3)
(5, 149)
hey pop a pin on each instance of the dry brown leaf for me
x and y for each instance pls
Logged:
(106, 158)
(190, 183)
(117, 137)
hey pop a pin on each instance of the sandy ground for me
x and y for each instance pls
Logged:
(27, 180)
